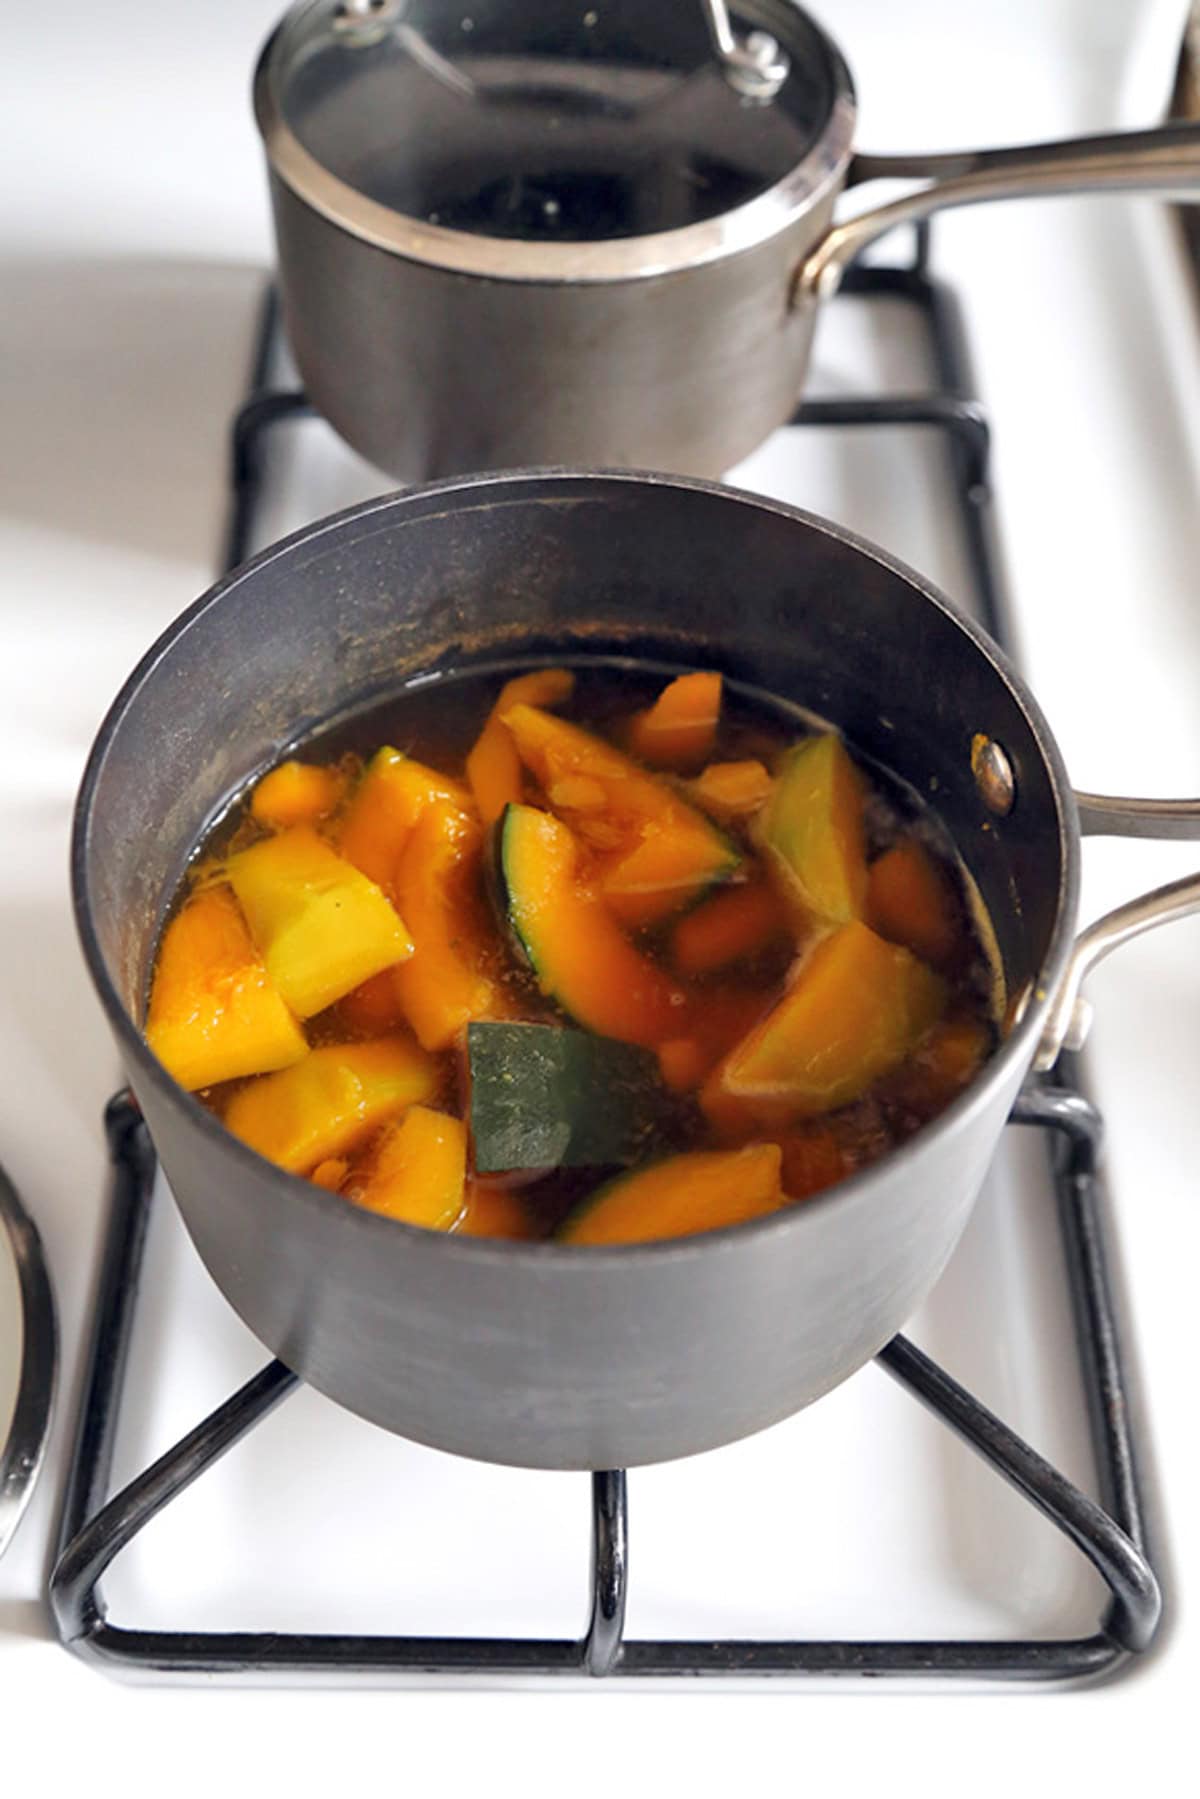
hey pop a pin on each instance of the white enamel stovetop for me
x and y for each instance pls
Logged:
(133, 250)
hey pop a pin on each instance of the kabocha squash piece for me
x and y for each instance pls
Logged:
(454, 974)
(214, 1013)
(656, 852)
(680, 729)
(679, 1197)
(734, 923)
(813, 829)
(492, 1212)
(857, 1007)
(419, 1170)
(669, 868)
(576, 948)
(813, 1159)
(296, 793)
(322, 926)
(731, 789)
(493, 766)
(331, 1102)
(389, 800)
(546, 1097)
(910, 901)
(330, 1174)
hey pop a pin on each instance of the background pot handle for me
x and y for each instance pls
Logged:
(1162, 161)
(1069, 1017)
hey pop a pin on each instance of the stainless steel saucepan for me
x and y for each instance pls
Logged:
(542, 1354)
(540, 233)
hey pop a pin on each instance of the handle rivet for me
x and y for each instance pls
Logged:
(993, 774)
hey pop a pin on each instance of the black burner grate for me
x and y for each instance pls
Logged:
(94, 1528)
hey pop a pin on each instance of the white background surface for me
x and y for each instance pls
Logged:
(135, 231)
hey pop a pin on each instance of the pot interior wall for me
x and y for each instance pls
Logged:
(541, 566)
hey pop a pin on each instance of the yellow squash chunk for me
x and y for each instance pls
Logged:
(214, 1014)
(680, 729)
(657, 852)
(681, 1196)
(731, 789)
(419, 1170)
(331, 1102)
(812, 828)
(296, 793)
(453, 976)
(323, 927)
(910, 901)
(857, 1008)
(390, 798)
(493, 766)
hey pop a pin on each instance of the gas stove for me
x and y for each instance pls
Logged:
(864, 1520)
(1009, 1599)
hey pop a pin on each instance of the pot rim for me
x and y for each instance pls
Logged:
(1019, 1047)
(801, 190)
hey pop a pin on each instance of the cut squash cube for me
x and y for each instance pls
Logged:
(493, 766)
(702, 1191)
(454, 974)
(387, 803)
(680, 729)
(214, 1013)
(322, 926)
(857, 1007)
(910, 900)
(326, 1106)
(731, 789)
(490, 1211)
(419, 1170)
(813, 829)
(736, 922)
(296, 793)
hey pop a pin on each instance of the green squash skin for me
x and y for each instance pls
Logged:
(548, 1096)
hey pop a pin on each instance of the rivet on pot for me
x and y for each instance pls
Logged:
(993, 774)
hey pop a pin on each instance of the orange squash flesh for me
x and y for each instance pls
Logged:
(813, 829)
(493, 766)
(578, 951)
(680, 729)
(735, 922)
(332, 1101)
(813, 1159)
(493, 1212)
(322, 926)
(731, 789)
(214, 1013)
(911, 901)
(447, 983)
(856, 1009)
(389, 800)
(419, 1170)
(680, 1197)
(296, 793)
(656, 851)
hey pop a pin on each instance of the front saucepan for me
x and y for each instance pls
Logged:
(542, 1355)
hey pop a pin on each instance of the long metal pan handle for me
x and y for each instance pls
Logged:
(1069, 1017)
(1163, 161)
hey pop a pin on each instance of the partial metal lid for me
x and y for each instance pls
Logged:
(547, 140)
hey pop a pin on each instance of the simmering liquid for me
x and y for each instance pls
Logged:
(751, 958)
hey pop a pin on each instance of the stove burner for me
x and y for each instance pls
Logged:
(1112, 1536)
